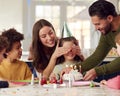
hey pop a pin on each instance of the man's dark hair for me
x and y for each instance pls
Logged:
(13, 36)
(102, 9)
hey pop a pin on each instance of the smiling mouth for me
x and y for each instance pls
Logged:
(20, 54)
(102, 31)
(70, 54)
(52, 42)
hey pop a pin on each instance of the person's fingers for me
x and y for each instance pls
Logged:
(63, 51)
(88, 76)
(58, 42)
(103, 82)
(62, 73)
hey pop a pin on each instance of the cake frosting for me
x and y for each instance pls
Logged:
(74, 75)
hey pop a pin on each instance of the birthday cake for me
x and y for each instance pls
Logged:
(74, 75)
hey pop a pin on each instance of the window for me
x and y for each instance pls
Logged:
(41, 11)
(77, 19)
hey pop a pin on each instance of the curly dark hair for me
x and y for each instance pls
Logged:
(3, 43)
(13, 36)
(102, 9)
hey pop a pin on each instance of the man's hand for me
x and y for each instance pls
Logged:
(90, 75)
(104, 82)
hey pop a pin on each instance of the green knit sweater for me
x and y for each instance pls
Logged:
(105, 44)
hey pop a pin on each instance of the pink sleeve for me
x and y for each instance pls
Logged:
(114, 82)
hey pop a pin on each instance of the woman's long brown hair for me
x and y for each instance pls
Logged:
(40, 59)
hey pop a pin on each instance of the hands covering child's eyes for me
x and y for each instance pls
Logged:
(76, 49)
(59, 51)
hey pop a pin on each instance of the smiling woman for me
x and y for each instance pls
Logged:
(43, 45)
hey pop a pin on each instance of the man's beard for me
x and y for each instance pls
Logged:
(108, 29)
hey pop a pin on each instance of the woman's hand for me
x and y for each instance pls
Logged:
(59, 51)
(52, 75)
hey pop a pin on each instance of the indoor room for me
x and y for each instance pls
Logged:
(69, 18)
